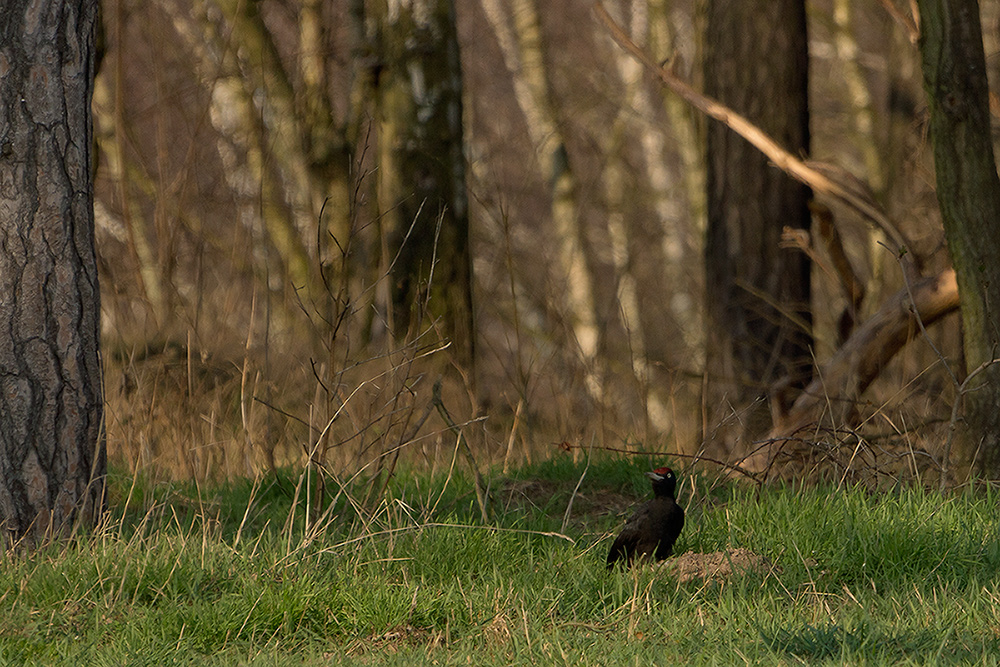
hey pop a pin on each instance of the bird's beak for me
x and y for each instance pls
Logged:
(656, 477)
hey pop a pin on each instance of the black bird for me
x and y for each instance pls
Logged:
(654, 527)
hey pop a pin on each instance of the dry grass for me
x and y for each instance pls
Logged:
(176, 412)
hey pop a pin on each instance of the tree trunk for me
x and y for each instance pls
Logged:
(758, 315)
(421, 175)
(524, 54)
(951, 45)
(52, 459)
(652, 325)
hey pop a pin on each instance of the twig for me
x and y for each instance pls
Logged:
(908, 24)
(569, 505)
(953, 422)
(695, 457)
(406, 439)
(513, 435)
(960, 388)
(462, 442)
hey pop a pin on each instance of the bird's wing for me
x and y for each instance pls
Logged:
(625, 544)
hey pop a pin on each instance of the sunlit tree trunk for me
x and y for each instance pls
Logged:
(329, 145)
(518, 31)
(653, 333)
(758, 324)
(685, 121)
(151, 277)
(298, 152)
(421, 173)
(52, 461)
(862, 116)
(954, 64)
(862, 113)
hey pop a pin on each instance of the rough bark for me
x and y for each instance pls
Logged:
(52, 460)
(951, 45)
(758, 315)
(421, 175)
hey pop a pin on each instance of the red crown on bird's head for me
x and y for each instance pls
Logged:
(663, 471)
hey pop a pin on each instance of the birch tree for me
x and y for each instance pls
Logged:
(421, 177)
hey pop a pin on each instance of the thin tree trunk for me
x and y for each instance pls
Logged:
(653, 333)
(329, 145)
(524, 55)
(862, 113)
(251, 173)
(139, 242)
(52, 459)
(421, 175)
(685, 127)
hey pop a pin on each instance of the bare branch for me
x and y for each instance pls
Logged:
(827, 183)
(908, 24)
(859, 361)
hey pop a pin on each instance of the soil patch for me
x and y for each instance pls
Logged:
(717, 565)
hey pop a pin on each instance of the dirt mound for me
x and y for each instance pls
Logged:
(717, 565)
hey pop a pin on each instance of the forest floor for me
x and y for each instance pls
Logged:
(233, 575)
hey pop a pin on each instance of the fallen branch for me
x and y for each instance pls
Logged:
(839, 267)
(850, 284)
(831, 397)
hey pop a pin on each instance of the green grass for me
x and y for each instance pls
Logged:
(183, 575)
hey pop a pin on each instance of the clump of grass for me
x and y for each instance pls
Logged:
(218, 575)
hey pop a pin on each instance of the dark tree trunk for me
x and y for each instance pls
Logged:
(968, 189)
(422, 169)
(758, 316)
(52, 460)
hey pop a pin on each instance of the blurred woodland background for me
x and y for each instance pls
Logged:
(328, 228)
